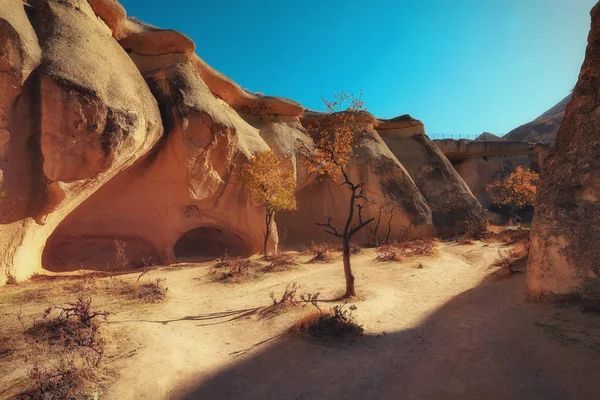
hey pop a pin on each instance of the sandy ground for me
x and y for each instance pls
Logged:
(453, 329)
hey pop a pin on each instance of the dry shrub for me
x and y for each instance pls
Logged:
(64, 379)
(322, 252)
(389, 252)
(280, 262)
(506, 236)
(335, 325)
(121, 259)
(509, 259)
(235, 269)
(400, 251)
(504, 261)
(73, 326)
(69, 348)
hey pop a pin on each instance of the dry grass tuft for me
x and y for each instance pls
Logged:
(507, 236)
(280, 262)
(401, 251)
(232, 269)
(336, 325)
(321, 252)
(149, 292)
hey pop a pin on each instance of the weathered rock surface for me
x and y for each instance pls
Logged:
(147, 149)
(544, 128)
(454, 208)
(564, 257)
(69, 122)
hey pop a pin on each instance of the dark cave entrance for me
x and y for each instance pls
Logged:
(209, 242)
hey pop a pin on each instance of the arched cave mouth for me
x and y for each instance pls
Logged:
(209, 242)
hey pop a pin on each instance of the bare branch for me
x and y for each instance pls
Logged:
(329, 228)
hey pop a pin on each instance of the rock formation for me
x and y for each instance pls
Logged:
(455, 210)
(488, 137)
(564, 257)
(114, 130)
(543, 129)
(481, 162)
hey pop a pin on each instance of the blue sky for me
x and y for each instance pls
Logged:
(461, 66)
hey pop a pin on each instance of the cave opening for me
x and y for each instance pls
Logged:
(209, 242)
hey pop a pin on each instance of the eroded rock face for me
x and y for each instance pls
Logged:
(147, 149)
(564, 257)
(69, 123)
(455, 210)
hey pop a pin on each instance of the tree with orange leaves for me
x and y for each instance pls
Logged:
(271, 183)
(517, 189)
(334, 141)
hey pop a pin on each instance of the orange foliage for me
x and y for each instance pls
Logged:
(270, 181)
(518, 188)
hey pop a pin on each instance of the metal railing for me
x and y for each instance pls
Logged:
(455, 136)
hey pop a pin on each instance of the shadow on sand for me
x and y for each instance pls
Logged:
(483, 344)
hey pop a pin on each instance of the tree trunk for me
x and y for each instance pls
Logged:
(348, 270)
(268, 219)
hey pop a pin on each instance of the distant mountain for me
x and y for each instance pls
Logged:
(543, 129)
(488, 137)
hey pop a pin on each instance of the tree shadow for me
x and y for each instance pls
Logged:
(483, 344)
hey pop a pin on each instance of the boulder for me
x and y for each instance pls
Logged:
(565, 237)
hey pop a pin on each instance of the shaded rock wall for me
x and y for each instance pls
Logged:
(564, 256)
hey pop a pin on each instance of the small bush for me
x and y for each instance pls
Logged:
(74, 326)
(235, 269)
(389, 252)
(400, 251)
(509, 259)
(62, 380)
(504, 261)
(322, 252)
(121, 259)
(336, 325)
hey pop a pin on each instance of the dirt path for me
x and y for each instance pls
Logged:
(445, 331)
(444, 327)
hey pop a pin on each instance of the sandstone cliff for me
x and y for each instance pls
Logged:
(111, 129)
(564, 258)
